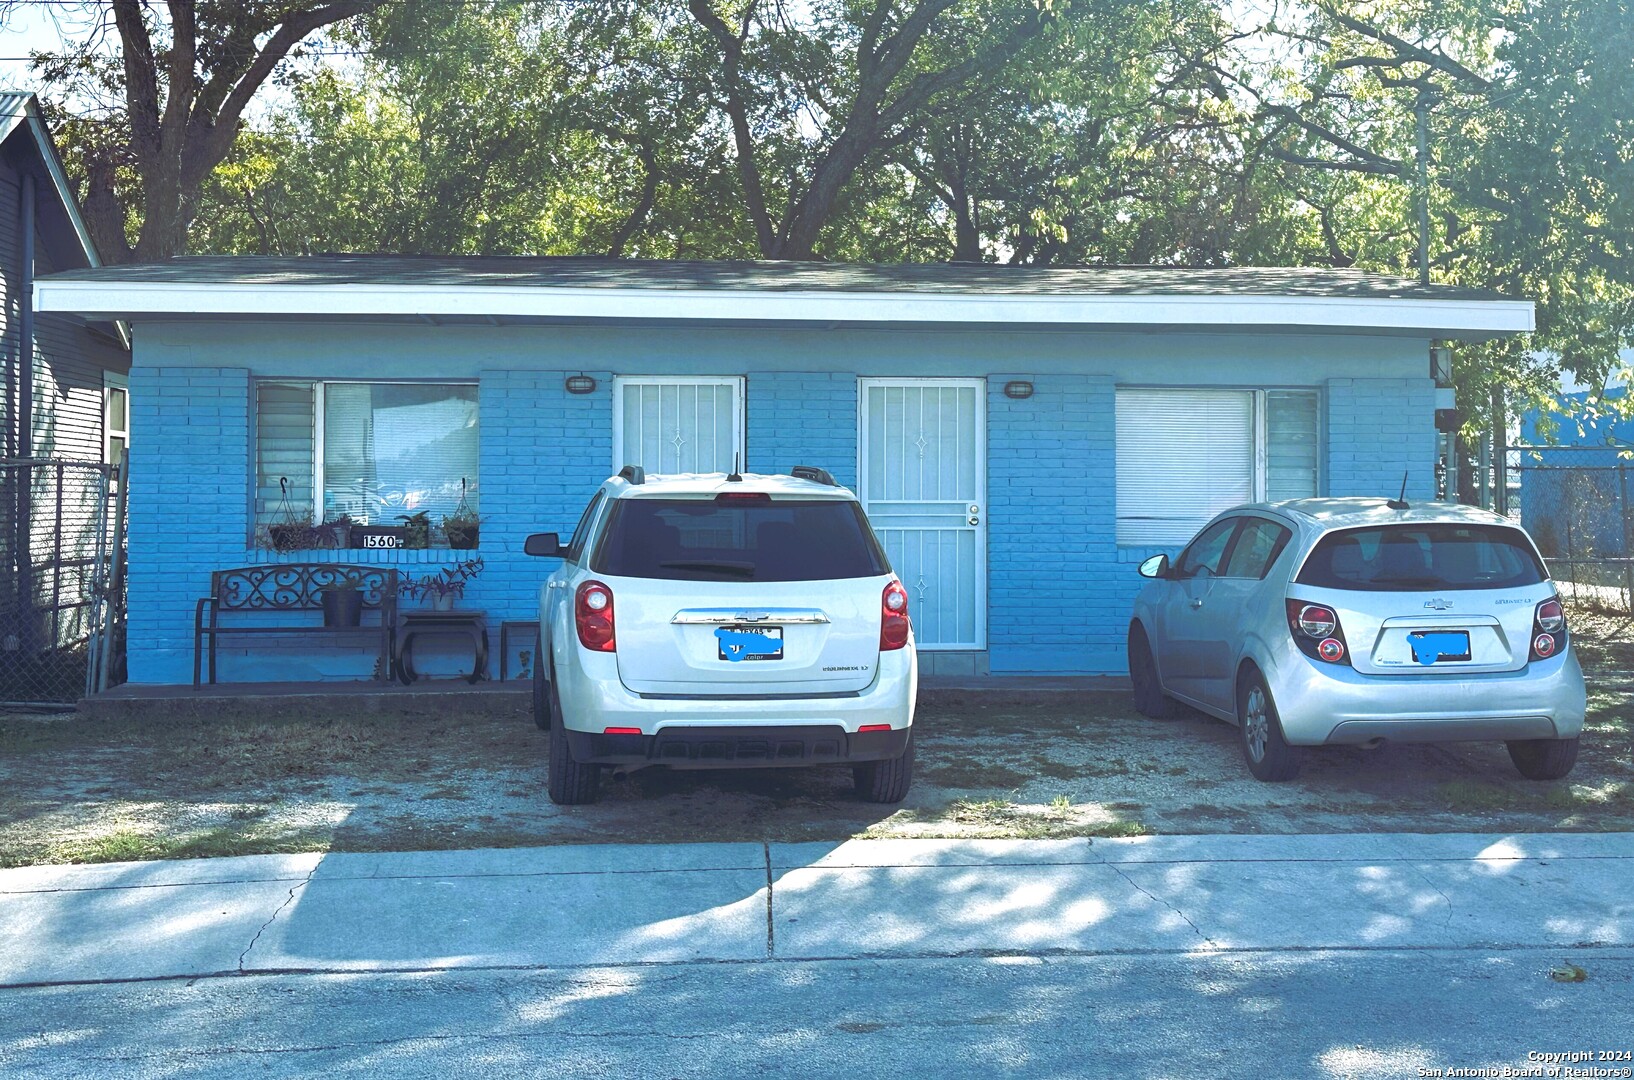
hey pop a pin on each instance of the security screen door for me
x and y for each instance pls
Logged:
(677, 424)
(922, 468)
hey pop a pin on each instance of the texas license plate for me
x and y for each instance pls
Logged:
(1435, 646)
(737, 643)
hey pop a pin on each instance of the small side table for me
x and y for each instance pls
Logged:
(505, 629)
(472, 624)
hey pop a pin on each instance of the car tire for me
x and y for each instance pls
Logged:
(1543, 759)
(1259, 731)
(1150, 700)
(541, 695)
(568, 782)
(885, 781)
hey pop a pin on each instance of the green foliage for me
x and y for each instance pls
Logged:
(1070, 132)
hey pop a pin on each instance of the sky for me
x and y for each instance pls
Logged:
(23, 29)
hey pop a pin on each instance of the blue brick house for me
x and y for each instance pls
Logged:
(1022, 437)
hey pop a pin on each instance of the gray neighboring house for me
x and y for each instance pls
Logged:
(64, 419)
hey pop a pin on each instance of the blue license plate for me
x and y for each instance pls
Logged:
(1437, 646)
(738, 643)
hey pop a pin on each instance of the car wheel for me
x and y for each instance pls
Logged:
(568, 782)
(885, 781)
(1543, 759)
(1150, 700)
(1268, 754)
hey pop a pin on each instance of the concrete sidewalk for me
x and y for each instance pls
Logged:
(643, 904)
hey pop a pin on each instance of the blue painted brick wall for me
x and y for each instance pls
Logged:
(189, 505)
(1378, 429)
(544, 453)
(1055, 599)
(1059, 589)
(802, 418)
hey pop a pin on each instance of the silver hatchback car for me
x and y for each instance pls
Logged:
(1351, 621)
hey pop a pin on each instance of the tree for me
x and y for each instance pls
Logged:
(1530, 163)
(185, 76)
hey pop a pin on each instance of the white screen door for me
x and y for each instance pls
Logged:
(677, 424)
(922, 464)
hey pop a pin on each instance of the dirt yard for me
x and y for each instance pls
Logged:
(74, 789)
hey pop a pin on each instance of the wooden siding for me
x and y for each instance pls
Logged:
(69, 357)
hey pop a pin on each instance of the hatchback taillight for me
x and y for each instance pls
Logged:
(1548, 629)
(894, 624)
(1317, 632)
(593, 615)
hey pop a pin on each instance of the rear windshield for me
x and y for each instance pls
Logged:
(697, 540)
(1413, 558)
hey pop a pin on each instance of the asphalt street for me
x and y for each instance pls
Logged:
(1165, 957)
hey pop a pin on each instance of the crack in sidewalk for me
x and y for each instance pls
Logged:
(1118, 870)
(1428, 880)
(770, 943)
(290, 899)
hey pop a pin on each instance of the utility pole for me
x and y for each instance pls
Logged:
(1421, 110)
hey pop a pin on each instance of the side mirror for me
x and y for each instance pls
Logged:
(544, 546)
(1155, 567)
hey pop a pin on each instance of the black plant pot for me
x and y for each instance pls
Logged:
(462, 539)
(342, 607)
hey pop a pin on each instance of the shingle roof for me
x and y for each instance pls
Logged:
(774, 276)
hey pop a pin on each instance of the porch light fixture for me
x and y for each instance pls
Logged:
(1019, 388)
(1441, 366)
(580, 384)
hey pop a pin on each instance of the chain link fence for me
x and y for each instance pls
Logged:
(61, 580)
(1574, 500)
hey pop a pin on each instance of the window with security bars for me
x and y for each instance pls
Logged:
(1184, 455)
(370, 450)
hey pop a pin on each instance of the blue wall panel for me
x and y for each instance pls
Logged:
(1059, 588)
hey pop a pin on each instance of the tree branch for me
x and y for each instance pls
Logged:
(737, 112)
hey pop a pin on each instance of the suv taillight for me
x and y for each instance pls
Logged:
(1548, 629)
(1317, 632)
(593, 615)
(894, 623)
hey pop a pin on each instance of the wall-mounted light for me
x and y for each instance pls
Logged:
(1018, 388)
(580, 384)
(1441, 366)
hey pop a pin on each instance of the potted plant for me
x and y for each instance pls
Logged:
(441, 589)
(290, 531)
(416, 529)
(293, 534)
(337, 531)
(342, 604)
(460, 528)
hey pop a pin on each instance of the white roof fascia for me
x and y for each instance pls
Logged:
(127, 299)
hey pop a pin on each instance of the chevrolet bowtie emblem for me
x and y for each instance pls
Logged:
(1438, 604)
(753, 616)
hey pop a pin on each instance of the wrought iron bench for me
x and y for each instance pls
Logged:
(293, 589)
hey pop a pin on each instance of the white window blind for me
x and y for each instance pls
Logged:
(371, 450)
(678, 425)
(1292, 432)
(283, 448)
(1184, 455)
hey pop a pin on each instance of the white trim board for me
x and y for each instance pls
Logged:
(111, 299)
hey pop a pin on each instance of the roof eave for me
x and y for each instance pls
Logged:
(144, 300)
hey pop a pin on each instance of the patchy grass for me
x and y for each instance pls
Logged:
(990, 766)
(967, 772)
(126, 845)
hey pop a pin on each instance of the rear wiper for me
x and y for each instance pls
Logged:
(742, 569)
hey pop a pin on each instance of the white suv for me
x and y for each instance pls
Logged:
(718, 621)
